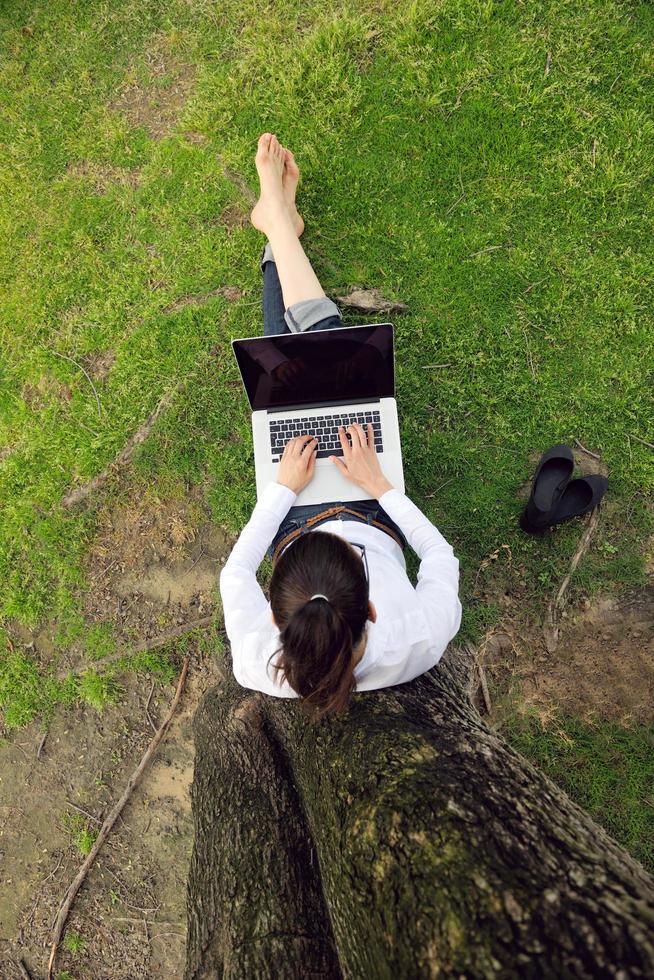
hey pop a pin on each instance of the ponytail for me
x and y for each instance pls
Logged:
(318, 634)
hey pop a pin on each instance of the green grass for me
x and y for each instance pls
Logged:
(486, 162)
(73, 942)
(607, 769)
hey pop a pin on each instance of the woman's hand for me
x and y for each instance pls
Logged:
(298, 463)
(360, 462)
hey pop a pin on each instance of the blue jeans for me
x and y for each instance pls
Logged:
(370, 510)
(310, 314)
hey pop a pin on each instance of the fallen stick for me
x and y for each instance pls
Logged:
(89, 816)
(107, 826)
(126, 453)
(41, 744)
(156, 641)
(587, 451)
(65, 357)
(550, 626)
(147, 708)
(638, 439)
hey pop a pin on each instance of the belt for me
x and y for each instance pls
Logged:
(330, 512)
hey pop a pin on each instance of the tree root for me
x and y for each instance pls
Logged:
(153, 644)
(107, 826)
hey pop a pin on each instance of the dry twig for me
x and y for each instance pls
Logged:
(147, 708)
(587, 451)
(550, 626)
(107, 826)
(482, 251)
(156, 641)
(65, 357)
(89, 816)
(41, 744)
(126, 453)
(638, 439)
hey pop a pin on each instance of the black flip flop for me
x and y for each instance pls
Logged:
(550, 480)
(579, 497)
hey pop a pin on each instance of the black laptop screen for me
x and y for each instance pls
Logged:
(322, 366)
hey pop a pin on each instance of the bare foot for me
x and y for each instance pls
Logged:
(271, 206)
(289, 183)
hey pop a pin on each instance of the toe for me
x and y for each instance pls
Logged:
(276, 147)
(264, 141)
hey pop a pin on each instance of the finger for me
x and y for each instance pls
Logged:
(345, 442)
(371, 435)
(357, 434)
(310, 447)
(299, 443)
(306, 442)
(339, 464)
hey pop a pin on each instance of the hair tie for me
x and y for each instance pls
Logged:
(319, 595)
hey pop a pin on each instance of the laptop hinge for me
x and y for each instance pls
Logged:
(327, 404)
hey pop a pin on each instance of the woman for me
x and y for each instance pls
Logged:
(322, 636)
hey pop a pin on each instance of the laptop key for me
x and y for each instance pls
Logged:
(324, 453)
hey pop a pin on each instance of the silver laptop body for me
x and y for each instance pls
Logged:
(311, 382)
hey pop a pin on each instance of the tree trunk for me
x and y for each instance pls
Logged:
(405, 840)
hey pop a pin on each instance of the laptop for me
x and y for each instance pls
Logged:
(312, 382)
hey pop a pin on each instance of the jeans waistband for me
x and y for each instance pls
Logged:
(330, 513)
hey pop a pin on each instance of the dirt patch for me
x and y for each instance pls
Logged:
(130, 914)
(42, 393)
(154, 564)
(99, 364)
(102, 177)
(198, 139)
(157, 89)
(602, 668)
(234, 217)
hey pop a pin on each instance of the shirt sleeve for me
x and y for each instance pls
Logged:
(438, 576)
(242, 597)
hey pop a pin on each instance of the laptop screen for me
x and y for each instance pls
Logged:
(322, 366)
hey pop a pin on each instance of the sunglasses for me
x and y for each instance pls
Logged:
(362, 548)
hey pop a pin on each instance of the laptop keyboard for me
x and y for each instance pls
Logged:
(325, 427)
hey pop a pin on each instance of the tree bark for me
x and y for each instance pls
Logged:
(405, 840)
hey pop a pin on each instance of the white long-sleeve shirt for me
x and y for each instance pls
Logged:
(413, 627)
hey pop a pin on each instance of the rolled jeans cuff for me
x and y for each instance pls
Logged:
(266, 255)
(300, 316)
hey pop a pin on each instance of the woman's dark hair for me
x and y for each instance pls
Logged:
(318, 636)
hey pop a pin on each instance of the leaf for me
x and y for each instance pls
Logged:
(371, 301)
